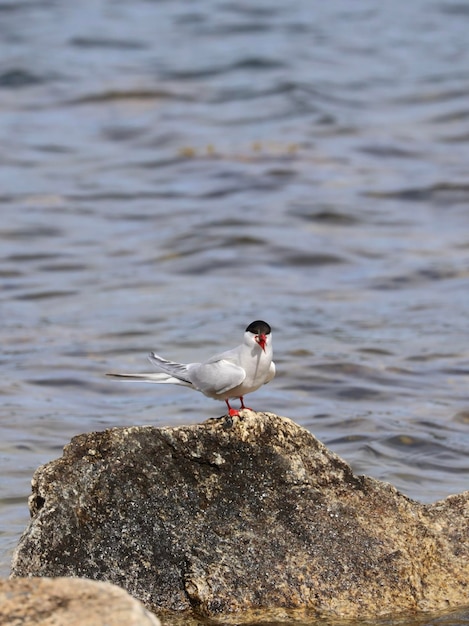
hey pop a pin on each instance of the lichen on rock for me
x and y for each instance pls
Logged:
(242, 516)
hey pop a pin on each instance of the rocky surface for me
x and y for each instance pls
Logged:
(248, 516)
(69, 602)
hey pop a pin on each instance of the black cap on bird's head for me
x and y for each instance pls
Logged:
(260, 329)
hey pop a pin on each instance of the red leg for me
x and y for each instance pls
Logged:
(242, 404)
(231, 412)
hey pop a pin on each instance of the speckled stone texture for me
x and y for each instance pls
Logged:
(248, 516)
(69, 602)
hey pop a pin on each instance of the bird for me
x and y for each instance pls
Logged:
(231, 374)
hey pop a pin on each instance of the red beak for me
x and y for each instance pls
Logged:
(261, 340)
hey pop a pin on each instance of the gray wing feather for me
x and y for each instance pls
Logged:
(178, 370)
(216, 377)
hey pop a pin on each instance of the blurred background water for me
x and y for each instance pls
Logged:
(171, 171)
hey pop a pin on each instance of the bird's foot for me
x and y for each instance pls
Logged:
(235, 412)
(244, 407)
(231, 412)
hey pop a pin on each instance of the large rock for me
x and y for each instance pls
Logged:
(247, 516)
(69, 602)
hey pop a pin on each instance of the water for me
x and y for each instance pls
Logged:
(172, 171)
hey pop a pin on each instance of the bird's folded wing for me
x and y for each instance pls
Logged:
(270, 374)
(216, 376)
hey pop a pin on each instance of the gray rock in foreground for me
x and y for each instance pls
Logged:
(69, 602)
(250, 516)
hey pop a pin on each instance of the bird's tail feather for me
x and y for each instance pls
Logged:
(159, 378)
